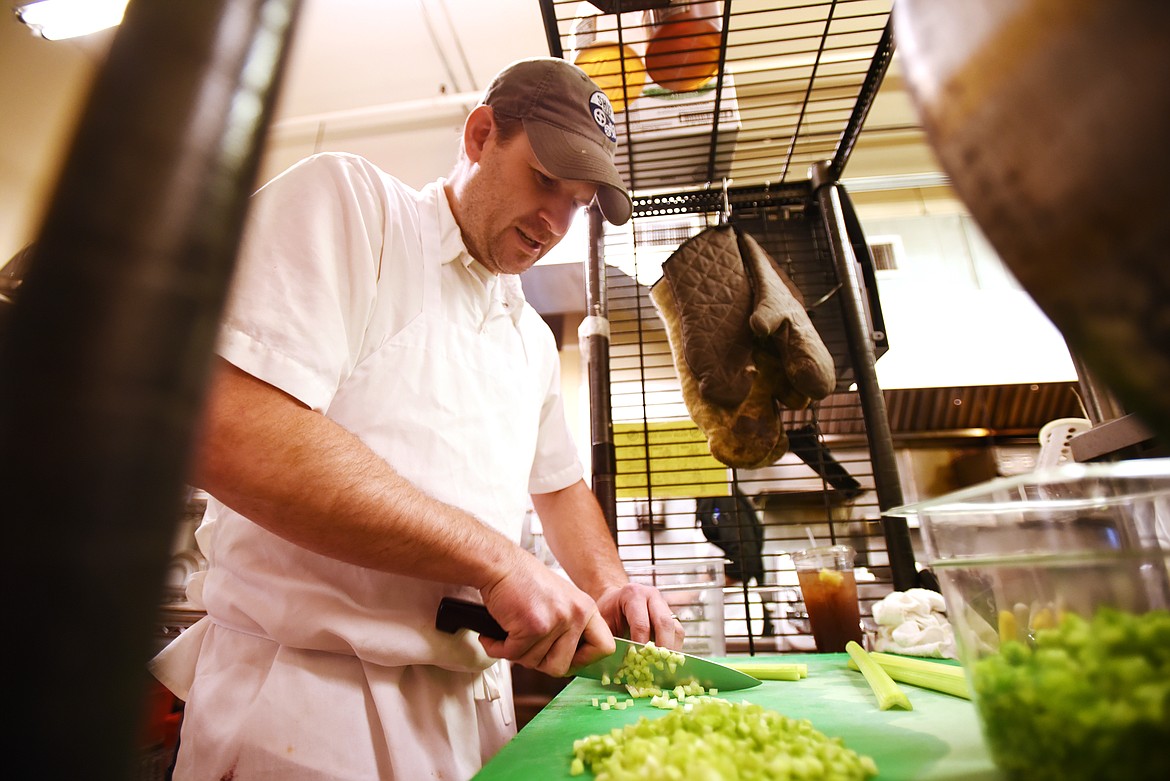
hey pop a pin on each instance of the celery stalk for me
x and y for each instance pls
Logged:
(1007, 626)
(884, 688)
(771, 671)
(927, 674)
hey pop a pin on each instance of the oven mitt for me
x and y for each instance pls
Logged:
(748, 435)
(712, 302)
(779, 317)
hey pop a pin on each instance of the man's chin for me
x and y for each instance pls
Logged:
(517, 262)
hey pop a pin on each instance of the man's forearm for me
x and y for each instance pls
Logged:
(579, 538)
(306, 479)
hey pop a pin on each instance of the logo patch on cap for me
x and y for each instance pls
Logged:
(602, 112)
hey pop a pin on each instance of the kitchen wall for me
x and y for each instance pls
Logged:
(953, 314)
(42, 87)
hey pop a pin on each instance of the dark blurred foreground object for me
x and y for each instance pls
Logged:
(103, 365)
(1052, 118)
(13, 272)
(11, 275)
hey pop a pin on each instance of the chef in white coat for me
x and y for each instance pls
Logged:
(385, 406)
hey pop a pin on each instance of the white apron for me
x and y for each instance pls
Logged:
(312, 670)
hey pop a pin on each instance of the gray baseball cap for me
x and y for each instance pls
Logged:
(569, 122)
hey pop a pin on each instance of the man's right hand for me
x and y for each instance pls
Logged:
(552, 625)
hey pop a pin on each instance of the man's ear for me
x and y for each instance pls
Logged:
(476, 130)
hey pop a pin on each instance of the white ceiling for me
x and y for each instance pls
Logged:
(356, 53)
(383, 78)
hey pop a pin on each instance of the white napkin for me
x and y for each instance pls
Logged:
(914, 623)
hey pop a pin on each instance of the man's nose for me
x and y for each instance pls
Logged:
(559, 213)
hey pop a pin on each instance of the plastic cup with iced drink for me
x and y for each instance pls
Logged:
(830, 595)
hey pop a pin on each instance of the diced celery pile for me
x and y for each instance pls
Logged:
(1087, 699)
(642, 669)
(719, 741)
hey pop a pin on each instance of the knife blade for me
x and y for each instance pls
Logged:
(455, 614)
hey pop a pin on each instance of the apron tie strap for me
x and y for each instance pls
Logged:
(487, 688)
(487, 685)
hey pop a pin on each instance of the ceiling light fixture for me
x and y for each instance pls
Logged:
(58, 19)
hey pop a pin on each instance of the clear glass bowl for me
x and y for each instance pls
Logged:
(1056, 585)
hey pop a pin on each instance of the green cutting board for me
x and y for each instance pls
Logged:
(939, 739)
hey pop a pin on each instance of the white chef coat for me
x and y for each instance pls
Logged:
(356, 295)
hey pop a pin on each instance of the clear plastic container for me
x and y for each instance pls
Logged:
(829, 589)
(1056, 585)
(694, 589)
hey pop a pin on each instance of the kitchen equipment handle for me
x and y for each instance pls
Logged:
(455, 614)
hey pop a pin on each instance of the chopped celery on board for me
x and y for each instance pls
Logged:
(638, 669)
(718, 741)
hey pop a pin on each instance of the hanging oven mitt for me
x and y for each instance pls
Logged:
(712, 301)
(748, 435)
(743, 344)
(780, 319)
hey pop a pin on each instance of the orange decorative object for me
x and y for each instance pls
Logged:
(617, 69)
(682, 53)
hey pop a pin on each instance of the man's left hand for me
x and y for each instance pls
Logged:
(644, 612)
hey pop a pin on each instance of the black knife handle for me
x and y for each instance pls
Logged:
(455, 614)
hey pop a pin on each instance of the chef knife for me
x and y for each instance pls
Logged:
(455, 614)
